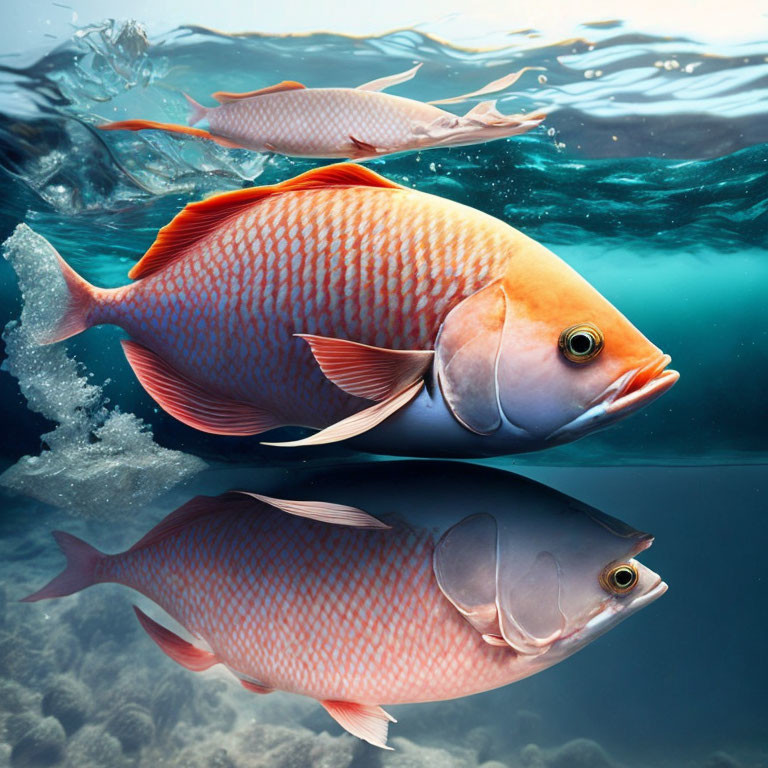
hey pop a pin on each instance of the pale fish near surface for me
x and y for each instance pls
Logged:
(473, 579)
(355, 123)
(343, 302)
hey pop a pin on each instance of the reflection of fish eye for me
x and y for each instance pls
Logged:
(581, 343)
(619, 579)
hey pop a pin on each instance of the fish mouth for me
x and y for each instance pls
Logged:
(639, 387)
(627, 394)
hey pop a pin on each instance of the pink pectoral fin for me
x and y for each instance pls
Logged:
(492, 87)
(181, 651)
(383, 83)
(366, 721)
(255, 687)
(323, 511)
(466, 352)
(357, 423)
(190, 403)
(369, 372)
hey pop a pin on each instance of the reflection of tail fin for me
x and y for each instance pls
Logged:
(141, 125)
(197, 111)
(79, 573)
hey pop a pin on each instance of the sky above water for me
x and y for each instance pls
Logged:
(36, 24)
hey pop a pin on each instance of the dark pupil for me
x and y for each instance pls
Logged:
(623, 578)
(581, 343)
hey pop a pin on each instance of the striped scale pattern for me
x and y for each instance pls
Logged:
(374, 265)
(279, 121)
(327, 611)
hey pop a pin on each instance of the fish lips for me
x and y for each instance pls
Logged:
(629, 393)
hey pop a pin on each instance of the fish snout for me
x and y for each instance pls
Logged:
(640, 386)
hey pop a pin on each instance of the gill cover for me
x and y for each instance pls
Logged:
(466, 354)
(503, 590)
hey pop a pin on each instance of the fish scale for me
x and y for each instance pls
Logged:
(362, 288)
(326, 611)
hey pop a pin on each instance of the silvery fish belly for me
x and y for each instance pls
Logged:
(343, 302)
(432, 600)
(356, 123)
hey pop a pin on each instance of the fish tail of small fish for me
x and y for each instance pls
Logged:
(58, 303)
(79, 572)
(197, 112)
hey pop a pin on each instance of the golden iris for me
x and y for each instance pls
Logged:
(619, 579)
(581, 343)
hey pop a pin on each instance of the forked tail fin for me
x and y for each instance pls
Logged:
(57, 301)
(79, 573)
(196, 111)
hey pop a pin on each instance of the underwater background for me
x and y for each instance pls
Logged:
(649, 177)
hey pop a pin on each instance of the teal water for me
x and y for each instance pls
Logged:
(650, 177)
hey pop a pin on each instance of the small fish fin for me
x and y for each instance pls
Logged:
(323, 511)
(196, 111)
(359, 422)
(493, 87)
(197, 220)
(255, 687)
(485, 113)
(151, 125)
(382, 83)
(484, 108)
(224, 97)
(496, 640)
(79, 573)
(364, 371)
(182, 652)
(366, 721)
(466, 351)
(362, 149)
(193, 510)
(190, 403)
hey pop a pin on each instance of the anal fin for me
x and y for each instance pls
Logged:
(190, 403)
(182, 652)
(366, 721)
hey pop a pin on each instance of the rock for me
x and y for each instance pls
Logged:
(68, 700)
(480, 740)
(17, 725)
(64, 648)
(93, 747)
(15, 697)
(170, 696)
(406, 754)
(41, 746)
(532, 757)
(580, 753)
(132, 726)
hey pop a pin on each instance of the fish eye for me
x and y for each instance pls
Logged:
(619, 579)
(581, 343)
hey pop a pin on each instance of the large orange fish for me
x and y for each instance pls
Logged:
(355, 123)
(473, 580)
(343, 302)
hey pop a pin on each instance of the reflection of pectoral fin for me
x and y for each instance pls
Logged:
(360, 422)
(366, 721)
(323, 511)
(466, 353)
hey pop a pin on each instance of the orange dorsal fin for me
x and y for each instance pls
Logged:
(224, 97)
(199, 219)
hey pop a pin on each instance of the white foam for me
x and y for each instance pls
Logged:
(98, 461)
